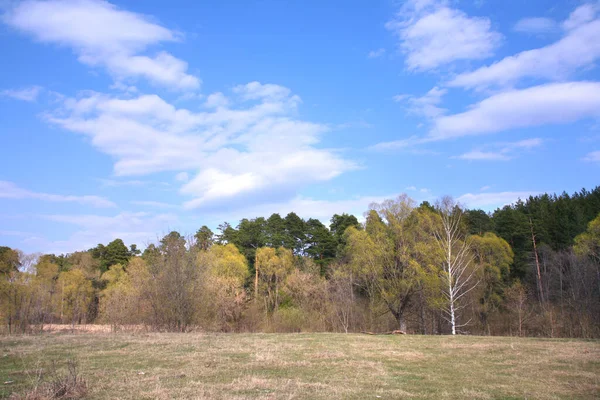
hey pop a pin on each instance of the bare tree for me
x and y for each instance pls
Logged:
(341, 297)
(459, 273)
(517, 300)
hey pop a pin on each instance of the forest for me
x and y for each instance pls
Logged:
(528, 269)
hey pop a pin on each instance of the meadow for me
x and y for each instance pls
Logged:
(305, 366)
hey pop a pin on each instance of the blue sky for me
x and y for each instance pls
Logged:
(130, 119)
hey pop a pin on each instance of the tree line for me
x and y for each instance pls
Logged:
(531, 268)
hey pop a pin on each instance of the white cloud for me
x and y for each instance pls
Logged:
(432, 34)
(140, 228)
(480, 155)
(125, 88)
(118, 183)
(414, 189)
(524, 144)
(401, 97)
(26, 94)
(484, 188)
(153, 204)
(255, 146)
(554, 103)
(594, 156)
(8, 190)
(376, 53)
(182, 177)
(537, 25)
(425, 106)
(14, 233)
(101, 34)
(582, 15)
(399, 144)
(267, 92)
(216, 100)
(501, 151)
(305, 207)
(579, 48)
(493, 200)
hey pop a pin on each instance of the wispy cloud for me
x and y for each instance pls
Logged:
(254, 145)
(594, 156)
(490, 200)
(536, 26)
(425, 106)
(14, 233)
(118, 183)
(182, 177)
(433, 34)
(579, 48)
(480, 155)
(376, 53)
(9, 190)
(400, 144)
(141, 228)
(246, 144)
(26, 94)
(554, 103)
(153, 204)
(583, 14)
(306, 207)
(501, 151)
(101, 34)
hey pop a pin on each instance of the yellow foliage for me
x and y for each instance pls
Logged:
(225, 262)
(76, 294)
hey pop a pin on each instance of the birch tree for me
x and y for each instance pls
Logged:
(459, 272)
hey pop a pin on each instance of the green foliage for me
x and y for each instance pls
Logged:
(338, 226)
(275, 232)
(227, 234)
(555, 220)
(296, 233)
(204, 238)
(394, 257)
(494, 257)
(9, 260)
(250, 236)
(478, 222)
(114, 253)
(320, 242)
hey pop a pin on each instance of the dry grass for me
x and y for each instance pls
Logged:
(55, 385)
(311, 366)
(91, 328)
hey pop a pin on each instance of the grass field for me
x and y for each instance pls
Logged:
(308, 366)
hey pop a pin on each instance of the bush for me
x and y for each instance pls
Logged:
(69, 385)
(288, 319)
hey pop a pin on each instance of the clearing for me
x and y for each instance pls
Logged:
(307, 366)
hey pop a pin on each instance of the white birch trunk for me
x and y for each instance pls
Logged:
(459, 273)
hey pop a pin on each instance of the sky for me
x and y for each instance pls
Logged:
(130, 119)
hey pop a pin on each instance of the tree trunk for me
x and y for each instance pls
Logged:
(255, 279)
(537, 263)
